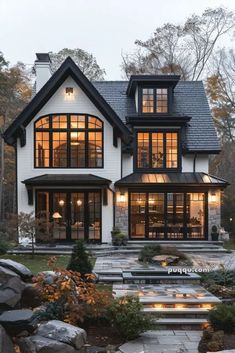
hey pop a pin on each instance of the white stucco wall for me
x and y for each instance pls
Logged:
(25, 155)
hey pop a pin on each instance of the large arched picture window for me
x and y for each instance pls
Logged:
(69, 141)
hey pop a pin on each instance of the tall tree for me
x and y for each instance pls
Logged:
(15, 92)
(85, 61)
(180, 49)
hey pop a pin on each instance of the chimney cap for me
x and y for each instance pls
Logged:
(43, 57)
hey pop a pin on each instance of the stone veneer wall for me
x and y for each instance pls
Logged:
(214, 211)
(121, 212)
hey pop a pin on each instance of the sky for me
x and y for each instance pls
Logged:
(105, 28)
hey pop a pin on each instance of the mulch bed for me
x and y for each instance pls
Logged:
(102, 336)
(229, 341)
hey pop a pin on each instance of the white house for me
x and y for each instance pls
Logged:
(129, 154)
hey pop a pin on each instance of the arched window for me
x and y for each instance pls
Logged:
(69, 141)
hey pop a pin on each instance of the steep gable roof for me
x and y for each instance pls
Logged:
(189, 99)
(68, 68)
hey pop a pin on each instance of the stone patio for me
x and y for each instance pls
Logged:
(164, 341)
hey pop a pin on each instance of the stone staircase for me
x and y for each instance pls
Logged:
(174, 306)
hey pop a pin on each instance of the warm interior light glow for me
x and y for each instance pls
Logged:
(56, 215)
(79, 202)
(61, 203)
(163, 263)
(140, 294)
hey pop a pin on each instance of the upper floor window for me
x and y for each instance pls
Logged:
(69, 141)
(154, 100)
(157, 150)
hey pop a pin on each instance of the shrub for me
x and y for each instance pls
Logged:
(221, 277)
(223, 318)
(53, 311)
(79, 261)
(127, 318)
(211, 341)
(4, 247)
(78, 295)
(148, 252)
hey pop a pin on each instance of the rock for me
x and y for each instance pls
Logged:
(16, 321)
(6, 346)
(6, 274)
(16, 267)
(10, 293)
(39, 344)
(31, 297)
(66, 333)
(165, 258)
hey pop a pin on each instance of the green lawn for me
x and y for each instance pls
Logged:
(229, 244)
(39, 263)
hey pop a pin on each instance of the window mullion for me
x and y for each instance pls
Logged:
(50, 142)
(150, 151)
(68, 141)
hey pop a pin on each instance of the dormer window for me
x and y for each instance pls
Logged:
(154, 100)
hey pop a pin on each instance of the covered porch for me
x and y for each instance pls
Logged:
(170, 206)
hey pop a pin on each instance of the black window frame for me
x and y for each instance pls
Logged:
(164, 168)
(154, 87)
(68, 131)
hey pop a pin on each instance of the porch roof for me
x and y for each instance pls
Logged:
(67, 180)
(171, 179)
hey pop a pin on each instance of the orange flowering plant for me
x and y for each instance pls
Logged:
(79, 295)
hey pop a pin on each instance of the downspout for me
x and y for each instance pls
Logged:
(194, 162)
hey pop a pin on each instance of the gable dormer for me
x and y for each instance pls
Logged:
(153, 93)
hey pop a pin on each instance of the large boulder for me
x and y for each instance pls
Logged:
(10, 293)
(39, 344)
(6, 274)
(17, 267)
(66, 333)
(6, 346)
(18, 321)
(31, 297)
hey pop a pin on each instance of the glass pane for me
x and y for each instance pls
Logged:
(138, 211)
(147, 100)
(77, 121)
(171, 150)
(156, 215)
(157, 150)
(162, 100)
(59, 146)
(95, 149)
(42, 149)
(94, 207)
(77, 216)
(175, 215)
(143, 150)
(94, 123)
(43, 123)
(59, 122)
(195, 215)
(77, 149)
(59, 216)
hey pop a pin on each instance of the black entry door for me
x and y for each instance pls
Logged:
(71, 215)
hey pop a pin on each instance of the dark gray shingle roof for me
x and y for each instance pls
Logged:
(189, 99)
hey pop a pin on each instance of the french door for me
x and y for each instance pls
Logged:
(171, 216)
(69, 215)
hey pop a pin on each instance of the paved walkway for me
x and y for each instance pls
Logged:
(164, 341)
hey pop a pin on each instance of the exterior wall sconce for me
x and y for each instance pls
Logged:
(122, 197)
(79, 202)
(69, 91)
(213, 197)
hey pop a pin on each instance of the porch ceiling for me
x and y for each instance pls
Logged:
(173, 179)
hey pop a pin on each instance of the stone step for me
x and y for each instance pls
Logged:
(174, 243)
(110, 279)
(182, 323)
(175, 311)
